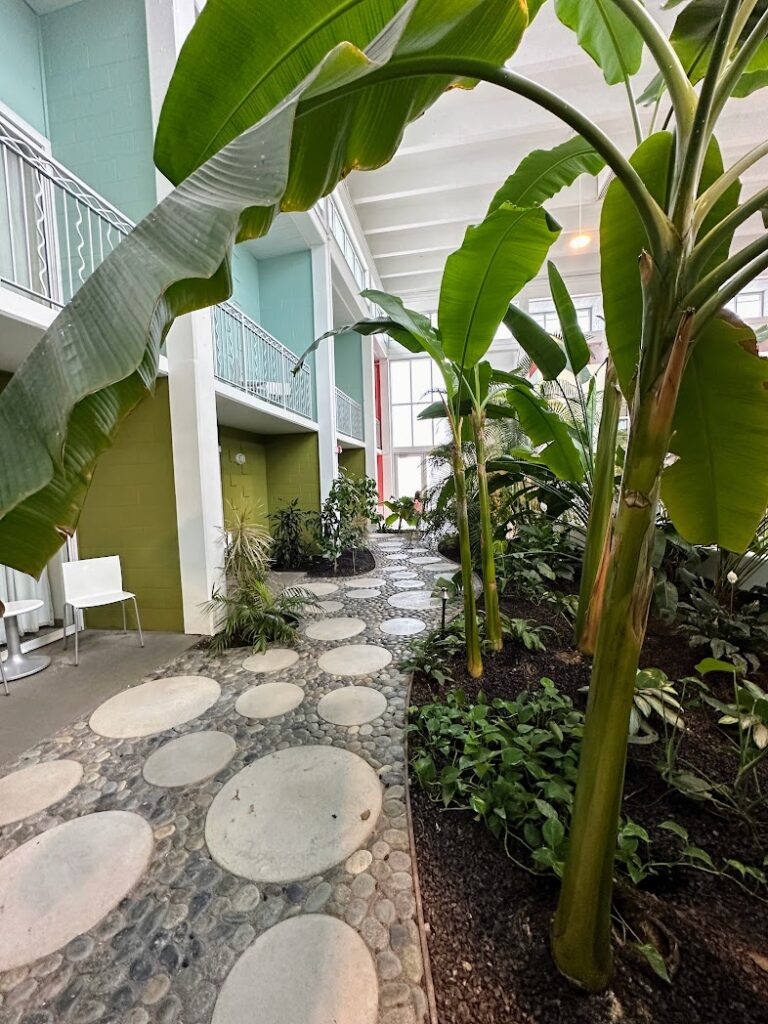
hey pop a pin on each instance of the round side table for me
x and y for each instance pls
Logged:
(18, 665)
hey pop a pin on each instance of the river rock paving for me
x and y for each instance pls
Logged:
(184, 924)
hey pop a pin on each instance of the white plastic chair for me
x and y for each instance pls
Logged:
(92, 582)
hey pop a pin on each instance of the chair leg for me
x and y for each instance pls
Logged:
(138, 622)
(64, 620)
(77, 646)
(125, 624)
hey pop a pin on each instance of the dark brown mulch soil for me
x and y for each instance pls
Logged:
(349, 564)
(488, 920)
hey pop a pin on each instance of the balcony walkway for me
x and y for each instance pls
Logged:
(230, 836)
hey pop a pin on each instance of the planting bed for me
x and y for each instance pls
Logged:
(488, 920)
(346, 565)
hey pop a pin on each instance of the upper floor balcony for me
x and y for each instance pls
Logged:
(349, 416)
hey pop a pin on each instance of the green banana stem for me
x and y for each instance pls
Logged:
(600, 511)
(490, 588)
(581, 935)
(474, 658)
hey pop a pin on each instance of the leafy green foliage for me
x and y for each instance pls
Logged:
(431, 654)
(545, 172)
(532, 556)
(610, 39)
(345, 516)
(248, 548)
(252, 614)
(403, 510)
(655, 698)
(527, 632)
(291, 528)
(737, 635)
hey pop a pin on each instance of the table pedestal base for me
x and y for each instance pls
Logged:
(18, 665)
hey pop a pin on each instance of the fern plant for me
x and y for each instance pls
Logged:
(253, 615)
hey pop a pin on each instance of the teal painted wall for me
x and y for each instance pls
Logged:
(21, 63)
(97, 84)
(245, 277)
(287, 303)
(348, 362)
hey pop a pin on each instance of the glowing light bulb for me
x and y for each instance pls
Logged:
(580, 241)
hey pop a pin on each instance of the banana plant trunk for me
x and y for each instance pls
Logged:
(581, 935)
(474, 658)
(596, 547)
(490, 587)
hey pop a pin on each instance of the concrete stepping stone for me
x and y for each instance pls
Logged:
(269, 700)
(319, 589)
(291, 815)
(365, 581)
(402, 627)
(155, 706)
(352, 705)
(30, 790)
(272, 660)
(354, 659)
(397, 557)
(419, 551)
(400, 584)
(312, 969)
(324, 606)
(425, 560)
(403, 574)
(64, 881)
(392, 569)
(363, 593)
(341, 628)
(414, 601)
(192, 758)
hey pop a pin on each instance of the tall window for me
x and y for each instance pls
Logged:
(413, 385)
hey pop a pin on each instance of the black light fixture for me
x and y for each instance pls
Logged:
(444, 597)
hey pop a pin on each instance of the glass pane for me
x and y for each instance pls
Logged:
(400, 380)
(584, 317)
(442, 432)
(421, 376)
(401, 426)
(408, 471)
(749, 304)
(436, 473)
(422, 429)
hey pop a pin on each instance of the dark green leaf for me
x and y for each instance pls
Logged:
(536, 342)
(606, 34)
(544, 172)
(573, 337)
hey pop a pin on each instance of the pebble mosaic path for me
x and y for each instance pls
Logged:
(238, 857)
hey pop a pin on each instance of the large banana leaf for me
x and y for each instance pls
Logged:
(610, 39)
(545, 428)
(496, 259)
(243, 57)
(536, 342)
(64, 405)
(622, 239)
(573, 336)
(545, 172)
(692, 38)
(717, 489)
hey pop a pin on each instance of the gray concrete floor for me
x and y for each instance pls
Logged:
(42, 704)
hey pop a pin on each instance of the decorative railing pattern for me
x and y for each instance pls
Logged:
(54, 230)
(349, 416)
(249, 358)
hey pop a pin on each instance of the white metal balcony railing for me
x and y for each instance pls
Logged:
(349, 415)
(249, 358)
(346, 244)
(54, 231)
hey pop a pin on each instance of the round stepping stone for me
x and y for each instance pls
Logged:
(352, 705)
(425, 560)
(30, 790)
(271, 660)
(403, 574)
(155, 706)
(402, 627)
(189, 759)
(395, 569)
(269, 700)
(293, 814)
(397, 557)
(363, 593)
(414, 601)
(354, 659)
(324, 606)
(64, 881)
(407, 584)
(419, 551)
(319, 589)
(360, 582)
(312, 969)
(341, 628)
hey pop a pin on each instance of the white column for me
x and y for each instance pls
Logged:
(325, 374)
(386, 431)
(196, 469)
(369, 408)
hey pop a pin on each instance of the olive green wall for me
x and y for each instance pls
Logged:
(353, 460)
(243, 487)
(130, 511)
(277, 468)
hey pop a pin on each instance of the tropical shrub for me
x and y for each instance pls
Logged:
(738, 635)
(251, 614)
(291, 535)
(347, 512)
(248, 547)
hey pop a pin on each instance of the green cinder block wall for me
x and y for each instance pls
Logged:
(243, 487)
(130, 511)
(353, 461)
(293, 470)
